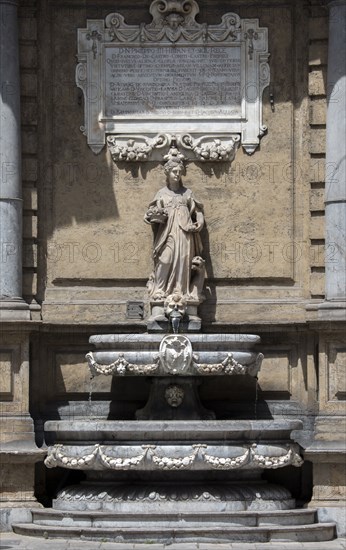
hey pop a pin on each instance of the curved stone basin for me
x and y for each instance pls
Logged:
(172, 430)
(174, 354)
(152, 341)
(172, 446)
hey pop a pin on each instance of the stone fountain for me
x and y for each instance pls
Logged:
(175, 472)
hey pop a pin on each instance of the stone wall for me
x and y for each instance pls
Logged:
(87, 252)
(318, 56)
(29, 116)
(98, 249)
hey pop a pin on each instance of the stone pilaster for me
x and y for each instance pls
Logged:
(12, 306)
(335, 198)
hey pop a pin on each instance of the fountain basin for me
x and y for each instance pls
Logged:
(160, 446)
(152, 341)
(174, 430)
(174, 354)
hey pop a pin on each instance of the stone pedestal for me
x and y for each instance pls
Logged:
(18, 452)
(329, 486)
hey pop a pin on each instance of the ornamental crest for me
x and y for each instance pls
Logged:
(175, 354)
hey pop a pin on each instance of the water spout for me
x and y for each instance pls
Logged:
(175, 318)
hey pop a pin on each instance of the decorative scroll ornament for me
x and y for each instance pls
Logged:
(100, 457)
(173, 21)
(127, 86)
(207, 149)
(136, 148)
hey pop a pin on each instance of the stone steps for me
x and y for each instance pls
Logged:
(108, 519)
(283, 526)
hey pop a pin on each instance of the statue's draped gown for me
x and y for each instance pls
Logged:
(174, 245)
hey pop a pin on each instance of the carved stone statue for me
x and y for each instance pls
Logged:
(177, 218)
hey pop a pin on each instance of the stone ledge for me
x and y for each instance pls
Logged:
(326, 451)
(21, 452)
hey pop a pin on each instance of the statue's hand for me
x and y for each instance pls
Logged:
(156, 215)
(195, 227)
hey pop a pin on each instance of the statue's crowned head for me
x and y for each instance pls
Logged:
(174, 159)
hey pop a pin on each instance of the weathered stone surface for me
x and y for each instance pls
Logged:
(318, 111)
(317, 255)
(317, 281)
(317, 227)
(95, 252)
(29, 284)
(29, 226)
(317, 172)
(317, 141)
(29, 140)
(28, 56)
(30, 198)
(29, 254)
(317, 82)
(28, 84)
(318, 53)
(27, 28)
(318, 28)
(30, 114)
(317, 200)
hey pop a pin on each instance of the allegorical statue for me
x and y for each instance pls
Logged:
(177, 218)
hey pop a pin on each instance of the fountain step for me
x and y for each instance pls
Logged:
(182, 531)
(109, 519)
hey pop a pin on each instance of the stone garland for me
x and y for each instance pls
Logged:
(168, 463)
(98, 457)
(218, 463)
(133, 151)
(228, 366)
(291, 458)
(120, 367)
(215, 151)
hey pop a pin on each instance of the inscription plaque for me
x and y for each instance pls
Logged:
(170, 82)
(175, 78)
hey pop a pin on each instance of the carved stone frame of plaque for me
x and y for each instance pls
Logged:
(173, 79)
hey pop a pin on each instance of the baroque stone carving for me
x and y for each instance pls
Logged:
(173, 21)
(175, 354)
(178, 218)
(177, 493)
(120, 366)
(229, 366)
(207, 149)
(113, 69)
(175, 357)
(174, 395)
(136, 148)
(100, 457)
